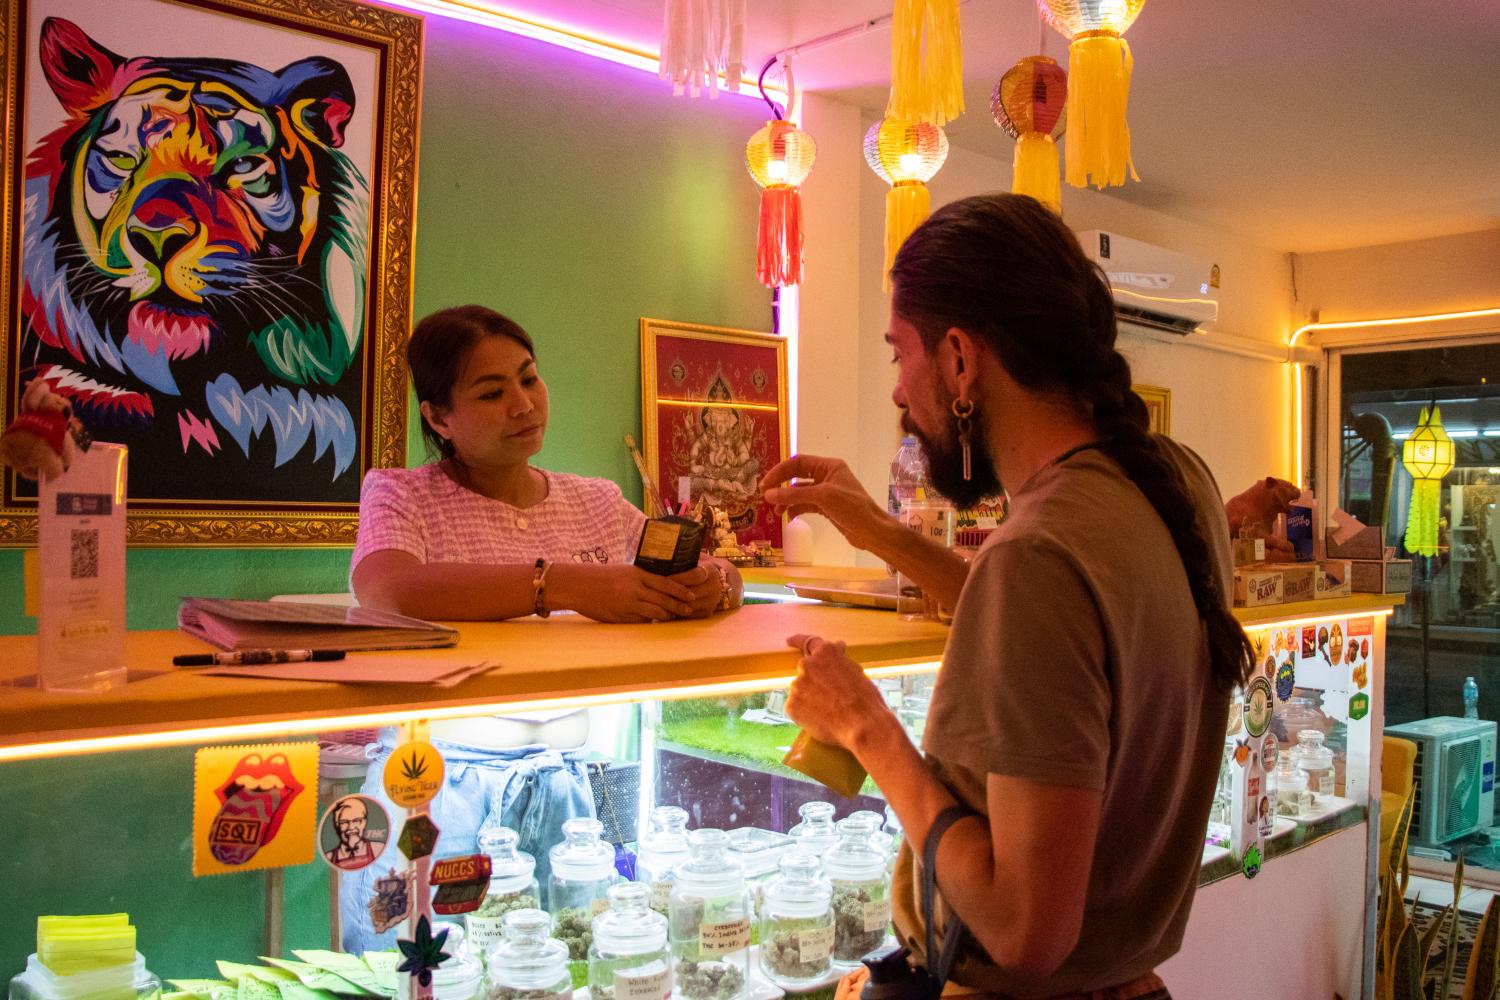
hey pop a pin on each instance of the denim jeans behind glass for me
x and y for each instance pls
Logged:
(530, 789)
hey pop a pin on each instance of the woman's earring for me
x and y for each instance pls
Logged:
(964, 411)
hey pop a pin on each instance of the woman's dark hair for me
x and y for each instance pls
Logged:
(1006, 270)
(438, 348)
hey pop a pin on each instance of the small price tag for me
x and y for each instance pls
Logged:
(484, 931)
(652, 985)
(661, 895)
(722, 939)
(815, 944)
(877, 915)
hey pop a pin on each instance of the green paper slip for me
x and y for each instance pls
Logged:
(255, 988)
(202, 989)
(297, 991)
(316, 978)
(383, 964)
(345, 966)
(271, 977)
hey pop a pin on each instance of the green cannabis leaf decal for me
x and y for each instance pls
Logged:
(413, 768)
(424, 953)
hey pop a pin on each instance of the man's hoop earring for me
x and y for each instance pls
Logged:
(964, 411)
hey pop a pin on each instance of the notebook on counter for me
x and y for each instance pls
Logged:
(232, 624)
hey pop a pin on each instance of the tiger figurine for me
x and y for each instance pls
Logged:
(193, 259)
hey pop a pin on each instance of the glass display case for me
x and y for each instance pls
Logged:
(101, 794)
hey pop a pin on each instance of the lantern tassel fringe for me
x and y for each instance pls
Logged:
(1098, 136)
(927, 70)
(1422, 520)
(907, 205)
(1035, 170)
(778, 256)
(702, 41)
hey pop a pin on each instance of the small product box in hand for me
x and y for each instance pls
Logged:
(1380, 576)
(1297, 581)
(669, 545)
(1256, 586)
(1333, 579)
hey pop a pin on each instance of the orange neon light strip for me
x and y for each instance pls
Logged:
(298, 727)
(1314, 619)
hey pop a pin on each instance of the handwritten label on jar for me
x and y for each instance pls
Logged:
(721, 939)
(661, 895)
(598, 906)
(1323, 784)
(877, 915)
(484, 931)
(815, 944)
(648, 982)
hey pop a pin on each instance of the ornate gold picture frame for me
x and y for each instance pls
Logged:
(1158, 402)
(206, 237)
(714, 418)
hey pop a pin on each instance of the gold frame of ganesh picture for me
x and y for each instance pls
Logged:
(1158, 402)
(714, 419)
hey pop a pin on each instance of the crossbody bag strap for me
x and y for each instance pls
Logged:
(939, 964)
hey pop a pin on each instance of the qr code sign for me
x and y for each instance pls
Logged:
(85, 554)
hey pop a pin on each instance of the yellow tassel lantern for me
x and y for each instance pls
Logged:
(1099, 67)
(927, 66)
(905, 155)
(1428, 456)
(780, 156)
(1029, 104)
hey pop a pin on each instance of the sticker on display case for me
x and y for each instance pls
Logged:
(1286, 679)
(1361, 675)
(1251, 863)
(424, 952)
(1265, 816)
(1359, 706)
(418, 837)
(1260, 702)
(1241, 752)
(391, 902)
(1335, 643)
(461, 883)
(353, 833)
(1309, 642)
(252, 807)
(413, 774)
(1351, 653)
(1361, 626)
(1268, 748)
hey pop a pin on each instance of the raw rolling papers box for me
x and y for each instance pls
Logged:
(1297, 581)
(1332, 579)
(1256, 587)
(1380, 576)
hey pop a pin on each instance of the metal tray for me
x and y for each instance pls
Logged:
(860, 593)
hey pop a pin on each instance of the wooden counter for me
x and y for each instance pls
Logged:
(1354, 604)
(564, 657)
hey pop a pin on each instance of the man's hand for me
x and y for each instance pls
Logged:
(829, 488)
(831, 698)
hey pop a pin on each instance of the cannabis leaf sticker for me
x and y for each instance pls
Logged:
(424, 953)
(414, 767)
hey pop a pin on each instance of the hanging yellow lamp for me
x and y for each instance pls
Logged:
(905, 155)
(780, 156)
(1029, 103)
(1099, 68)
(1428, 456)
(927, 66)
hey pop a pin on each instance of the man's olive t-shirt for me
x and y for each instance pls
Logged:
(1077, 658)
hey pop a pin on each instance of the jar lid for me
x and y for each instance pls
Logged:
(583, 855)
(459, 976)
(630, 926)
(710, 869)
(758, 850)
(799, 889)
(855, 857)
(816, 833)
(526, 957)
(508, 864)
(668, 836)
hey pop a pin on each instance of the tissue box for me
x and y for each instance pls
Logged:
(1382, 576)
(1332, 579)
(1369, 543)
(1297, 581)
(1256, 587)
(1249, 551)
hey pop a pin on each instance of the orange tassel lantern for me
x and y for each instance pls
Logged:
(780, 156)
(1029, 104)
(905, 155)
(1099, 68)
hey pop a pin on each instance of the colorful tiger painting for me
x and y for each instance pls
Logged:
(193, 255)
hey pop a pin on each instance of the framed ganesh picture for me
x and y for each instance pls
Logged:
(207, 238)
(714, 419)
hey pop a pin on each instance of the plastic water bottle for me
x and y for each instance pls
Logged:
(1471, 699)
(908, 476)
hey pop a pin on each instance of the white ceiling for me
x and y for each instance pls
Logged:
(1304, 125)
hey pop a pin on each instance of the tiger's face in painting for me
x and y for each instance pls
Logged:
(195, 245)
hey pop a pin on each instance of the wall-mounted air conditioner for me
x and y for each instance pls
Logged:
(1154, 286)
(1454, 777)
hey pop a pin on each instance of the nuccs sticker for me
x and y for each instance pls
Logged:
(354, 832)
(413, 774)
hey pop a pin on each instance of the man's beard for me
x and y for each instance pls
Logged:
(945, 462)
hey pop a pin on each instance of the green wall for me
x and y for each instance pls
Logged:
(574, 195)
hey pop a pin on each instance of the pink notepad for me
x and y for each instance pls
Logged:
(362, 669)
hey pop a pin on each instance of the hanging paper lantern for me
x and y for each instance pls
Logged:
(1428, 456)
(1029, 104)
(927, 66)
(703, 40)
(905, 155)
(1099, 67)
(780, 156)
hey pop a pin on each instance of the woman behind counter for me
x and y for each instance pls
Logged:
(484, 534)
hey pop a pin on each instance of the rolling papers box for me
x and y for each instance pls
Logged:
(1380, 576)
(1256, 587)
